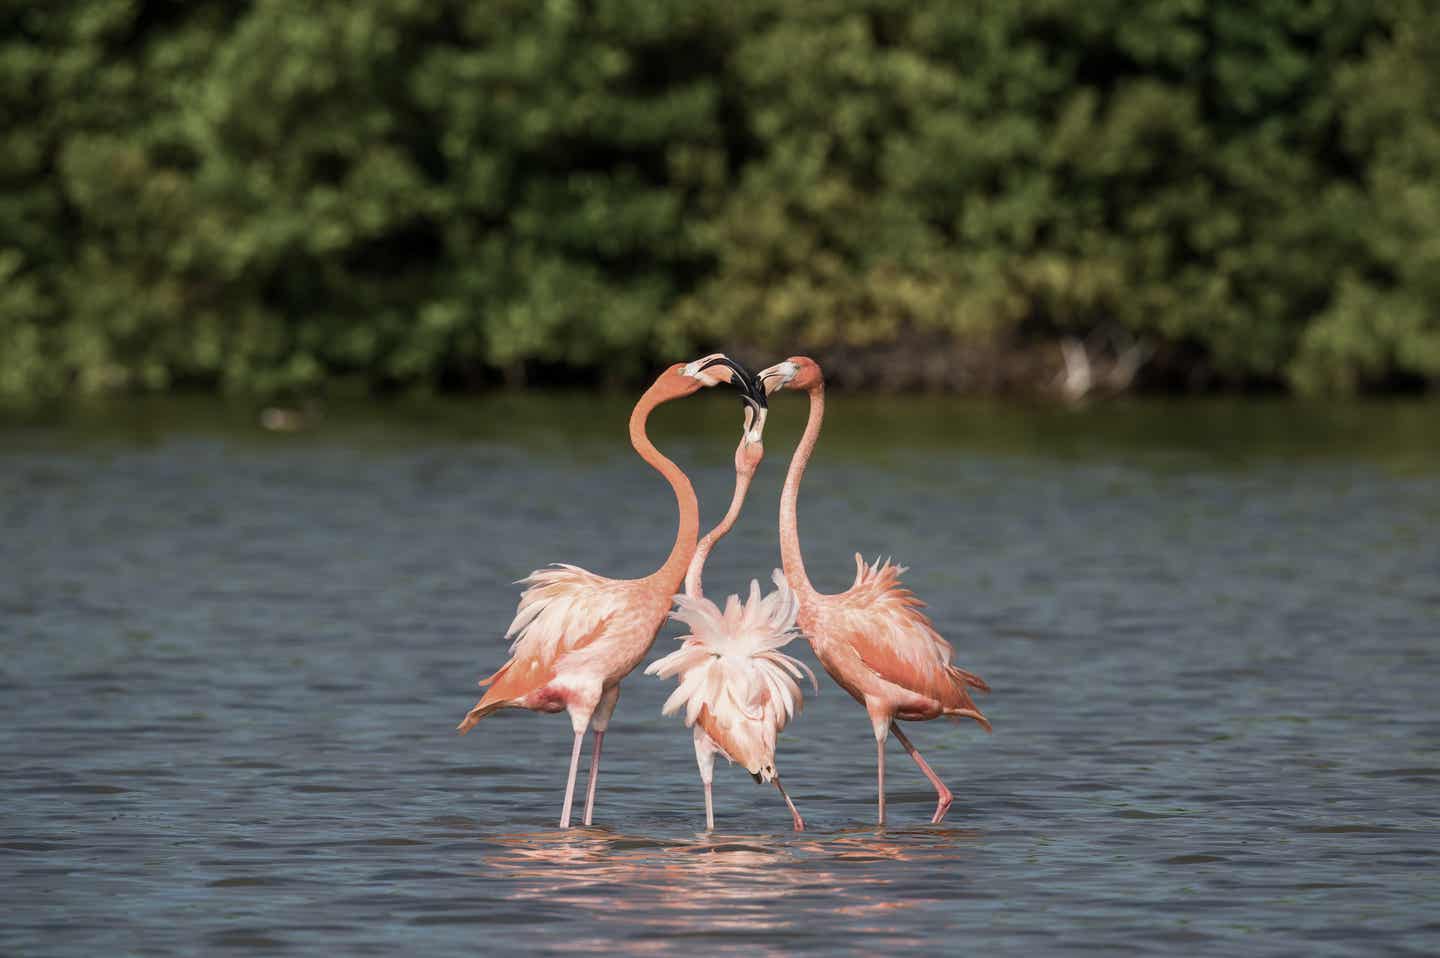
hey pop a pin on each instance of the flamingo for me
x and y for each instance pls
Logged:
(872, 639)
(737, 688)
(577, 634)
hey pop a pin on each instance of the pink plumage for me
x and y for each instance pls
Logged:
(872, 639)
(885, 631)
(575, 634)
(572, 627)
(737, 689)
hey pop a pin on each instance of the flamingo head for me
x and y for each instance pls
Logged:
(797, 372)
(752, 447)
(717, 368)
(682, 379)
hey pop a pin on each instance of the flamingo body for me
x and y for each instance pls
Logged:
(576, 634)
(872, 639)
(876, 644)
(738, 691)
(733, 679)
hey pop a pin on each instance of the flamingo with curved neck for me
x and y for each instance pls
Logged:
(738, 689)
(577, 634)
(872, 639)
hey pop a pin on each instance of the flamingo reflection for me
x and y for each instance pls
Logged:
(718, 883)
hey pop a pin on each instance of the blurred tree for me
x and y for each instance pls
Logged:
(1382, 318)
(263, 197)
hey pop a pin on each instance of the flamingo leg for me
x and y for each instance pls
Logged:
(599, 722)
(594, 776)
(705, 761)
(799, 822)
(570, 785)
(880, 775)
(943, 795)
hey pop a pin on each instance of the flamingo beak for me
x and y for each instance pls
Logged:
(752, 393)
(696, 370)
(756, 408)
(754, 431)
(776, 377)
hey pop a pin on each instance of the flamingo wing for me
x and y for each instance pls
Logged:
(563, 606)
(564, 609)
(881, 622)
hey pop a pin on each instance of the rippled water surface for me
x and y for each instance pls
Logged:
(233, 661)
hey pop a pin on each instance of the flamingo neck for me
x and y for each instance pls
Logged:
(722, 528)
(673, 570)
(790, 556)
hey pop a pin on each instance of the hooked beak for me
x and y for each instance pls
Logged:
(697, 369)
(755, 414)
(776, 377)
(752, 393)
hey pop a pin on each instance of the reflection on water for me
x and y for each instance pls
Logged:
(231, 662)
(756, 886)
(721, 884)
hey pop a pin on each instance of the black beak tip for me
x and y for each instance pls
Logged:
(752, 391)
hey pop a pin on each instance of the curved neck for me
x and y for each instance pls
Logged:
(674, 567)
(789, 527)
(702, 551)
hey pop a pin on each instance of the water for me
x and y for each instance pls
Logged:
(232, 663)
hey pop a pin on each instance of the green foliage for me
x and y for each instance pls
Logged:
(419, 193)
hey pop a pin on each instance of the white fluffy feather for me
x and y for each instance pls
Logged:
(730, 662)
(562, 604)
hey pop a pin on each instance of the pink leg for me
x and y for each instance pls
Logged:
(799, 822)
(594, 777)
(570, 785)
(944, 798)
(880, 775)
(599, 722)
(705, 762)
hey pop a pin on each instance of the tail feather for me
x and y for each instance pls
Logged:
(970, 713)
(959, 704)
(496, 676)
(970, 678)
(481, 709)
(513, 681)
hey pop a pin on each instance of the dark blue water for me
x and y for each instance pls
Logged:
(231, 664)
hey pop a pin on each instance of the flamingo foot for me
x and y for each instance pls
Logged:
(943, 796)
(942, 806)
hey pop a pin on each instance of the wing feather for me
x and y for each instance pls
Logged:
(564, 608)
(881, 621)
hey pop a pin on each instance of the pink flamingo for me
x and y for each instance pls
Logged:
(872, 639)
(737, 688)
(577, 634)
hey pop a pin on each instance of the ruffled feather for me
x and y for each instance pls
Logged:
(884, 626)
(563, 603)
(732, 676)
